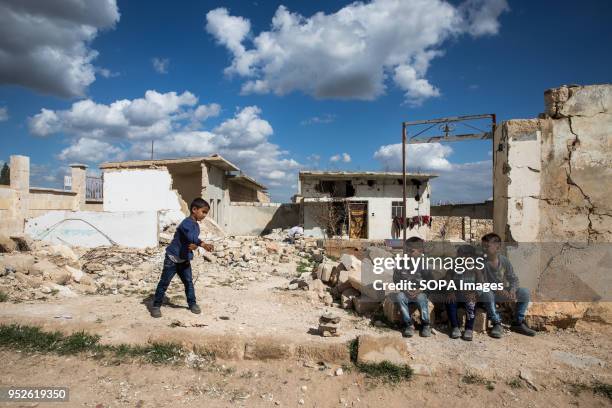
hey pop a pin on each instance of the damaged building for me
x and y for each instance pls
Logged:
(170, 185)
(363, 205)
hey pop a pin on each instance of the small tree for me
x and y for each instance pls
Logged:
(5, 174)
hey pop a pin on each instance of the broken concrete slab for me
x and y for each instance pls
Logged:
(7, 245)
(376, 349)
(350, 262)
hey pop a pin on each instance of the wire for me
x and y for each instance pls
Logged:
(51, 228)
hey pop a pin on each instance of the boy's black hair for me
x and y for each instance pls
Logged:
(414, 242)
(199, 203)
(466, 251)
(491, 237)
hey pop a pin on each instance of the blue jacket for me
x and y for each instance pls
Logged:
(187, 232)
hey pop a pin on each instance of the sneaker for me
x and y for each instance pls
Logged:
(497, 331)
(468, 334)
(426, 330)
(522, 328)
(455, 333)
(156, 311)
(408, 331)
(195, 309)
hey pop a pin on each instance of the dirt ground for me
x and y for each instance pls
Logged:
(551, 361)
(285, 368)
(277, 383)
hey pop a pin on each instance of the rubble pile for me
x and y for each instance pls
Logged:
(38, 270)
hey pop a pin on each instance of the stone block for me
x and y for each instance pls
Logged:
(480, 322)
(365, 305)
(376, 349)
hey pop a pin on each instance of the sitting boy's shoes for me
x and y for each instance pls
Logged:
(426, 330)
(195, 309)
(468, 335)
(522, 328)
(408, 331)
(497, 331)
(455, 333)
(156, 311)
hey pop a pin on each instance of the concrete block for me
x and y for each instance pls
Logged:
(350, 262)
(365, 305)
(375, 349)
(391, 310)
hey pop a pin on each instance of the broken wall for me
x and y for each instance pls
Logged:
(552, 176)
(552, 179)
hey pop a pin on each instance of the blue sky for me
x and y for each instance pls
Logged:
(334, 102)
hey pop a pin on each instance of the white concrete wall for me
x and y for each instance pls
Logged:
(254, 218)
(139, 190)
(136, 229)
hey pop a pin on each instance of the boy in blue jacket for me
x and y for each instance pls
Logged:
(178, 257)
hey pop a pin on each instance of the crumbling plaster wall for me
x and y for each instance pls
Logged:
(552, 176)
(379, 196)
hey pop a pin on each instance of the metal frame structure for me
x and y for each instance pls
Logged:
(445, 126)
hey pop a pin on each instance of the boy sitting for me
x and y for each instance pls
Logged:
(499, 269)
(178, 257)
(414, 248)
(463, 298)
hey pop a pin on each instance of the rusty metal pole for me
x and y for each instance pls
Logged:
(404, 212)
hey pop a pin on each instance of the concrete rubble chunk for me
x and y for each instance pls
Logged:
(376, 349)
(347, 296)
(23, 242)
(350, 262)
(75, 273)
(16, 263)
(7, 245)
(365, 305)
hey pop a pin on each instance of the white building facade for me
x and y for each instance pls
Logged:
(363, 205)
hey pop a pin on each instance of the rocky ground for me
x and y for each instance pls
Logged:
(282, 316)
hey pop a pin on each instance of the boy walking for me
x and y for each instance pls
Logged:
(414, 248)
(499, 269)
(178, 257)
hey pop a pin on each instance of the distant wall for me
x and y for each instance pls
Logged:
(459, 228)
(41, 201)
(19, 201)
(475, 210)
(254, 218)
(137, 229)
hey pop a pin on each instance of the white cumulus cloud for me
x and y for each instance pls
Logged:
(124, 129)
(342, 157)
(456, 182)
(351, 53)
(45, 45)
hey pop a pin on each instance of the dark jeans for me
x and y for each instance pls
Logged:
(521, 299)
(183, 270)
(470, 314)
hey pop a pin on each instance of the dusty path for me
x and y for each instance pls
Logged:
(266, 384)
